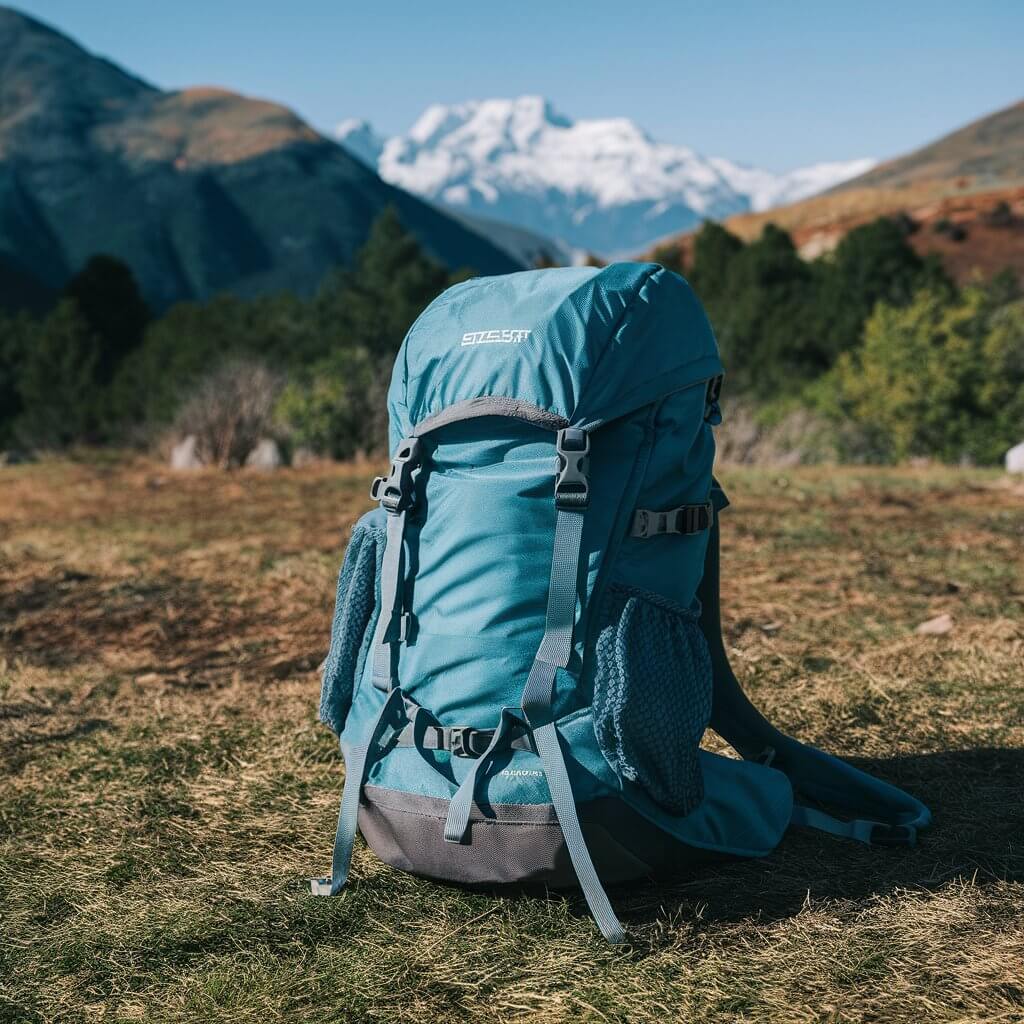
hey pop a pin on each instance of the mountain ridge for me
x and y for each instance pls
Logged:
(600, 184)
(198, 190)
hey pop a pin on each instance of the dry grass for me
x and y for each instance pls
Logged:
(166, 788)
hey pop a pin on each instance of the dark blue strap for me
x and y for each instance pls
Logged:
(360, 760)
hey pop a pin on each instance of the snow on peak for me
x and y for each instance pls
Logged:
(600, 184)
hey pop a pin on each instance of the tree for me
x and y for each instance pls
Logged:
(374, 304)
(57, 379)
(873, 263)
(761, 313)
(109, 299)
(714, 249)
(942, 376)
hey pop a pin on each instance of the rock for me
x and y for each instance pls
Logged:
(305, 457)
(13, 457)
(1015, 459)
(265, 456)
(185, 454)
(938, 626)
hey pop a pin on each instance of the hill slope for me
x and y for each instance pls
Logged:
(963, 192)
(198, 191)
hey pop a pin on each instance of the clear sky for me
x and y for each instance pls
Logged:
(776, 83)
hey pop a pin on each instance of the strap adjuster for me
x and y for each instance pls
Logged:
(396, 492)
(465, 741)
(572, 487)
(685, 520)
(893, 835)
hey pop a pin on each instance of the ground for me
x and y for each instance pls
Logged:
(165, 787)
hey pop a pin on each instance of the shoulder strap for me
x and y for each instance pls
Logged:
(880, 813)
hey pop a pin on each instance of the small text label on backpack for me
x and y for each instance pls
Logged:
(499, 337)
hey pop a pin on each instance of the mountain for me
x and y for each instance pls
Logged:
(961, 196)
(601, 185)
(199, 191)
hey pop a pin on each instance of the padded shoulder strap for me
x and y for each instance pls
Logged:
(880, 813)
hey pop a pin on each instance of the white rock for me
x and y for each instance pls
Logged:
(1015, 459)
(185, 454)
(938, 626)
(265, 456)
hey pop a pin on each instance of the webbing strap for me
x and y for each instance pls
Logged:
(358, 765)
(386, 634)
(462, 803)
(554, 653)
(874, 833)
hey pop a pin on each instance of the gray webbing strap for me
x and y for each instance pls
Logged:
(874, 833)
(359, 764)
(390, 598)
(554, 653)
(462, 803)
(397, 494)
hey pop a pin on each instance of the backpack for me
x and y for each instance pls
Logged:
(526, 648)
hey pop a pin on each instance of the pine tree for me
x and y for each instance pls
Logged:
(57, 380)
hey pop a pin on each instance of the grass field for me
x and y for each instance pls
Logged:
(165, 788)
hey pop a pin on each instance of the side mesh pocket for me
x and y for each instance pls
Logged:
(354, 618)
(652, 694)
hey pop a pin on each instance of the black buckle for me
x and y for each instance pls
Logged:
(469, 742)
(685, 520)
(893, 835)
(572, 488)
(396, 492)
(692, 518)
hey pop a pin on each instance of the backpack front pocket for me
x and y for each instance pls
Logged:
(652, 694)
(355, 612)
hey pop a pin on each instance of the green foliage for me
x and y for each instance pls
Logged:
(57, 379)
(336, 407)
(108, 297)
(942, 376)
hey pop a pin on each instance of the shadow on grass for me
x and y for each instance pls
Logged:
(978, 821)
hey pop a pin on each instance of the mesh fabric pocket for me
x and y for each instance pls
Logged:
(652, 695)
(352, 628)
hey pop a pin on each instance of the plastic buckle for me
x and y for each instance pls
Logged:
(463, 740)
(396, 492)
(572, 488)
(692, 519)
(893, 835)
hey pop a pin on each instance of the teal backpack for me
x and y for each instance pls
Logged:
(526, 648)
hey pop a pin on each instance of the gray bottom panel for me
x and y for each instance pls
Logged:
(514, 843)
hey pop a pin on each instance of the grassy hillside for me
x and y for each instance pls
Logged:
(166, 787)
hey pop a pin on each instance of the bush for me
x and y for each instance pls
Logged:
(941, 377)
(230, 410)
(338, 406)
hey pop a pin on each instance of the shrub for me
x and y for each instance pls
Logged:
(230, 410)
(941, 378)
(338, 406)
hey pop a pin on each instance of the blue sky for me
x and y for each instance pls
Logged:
(777, 84)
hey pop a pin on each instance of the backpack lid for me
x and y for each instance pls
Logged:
(583, 345)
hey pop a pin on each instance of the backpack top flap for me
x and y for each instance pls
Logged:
(579, 345)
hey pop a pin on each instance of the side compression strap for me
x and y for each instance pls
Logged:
(360, 761)
(397, 494)
(882, 814)
(553, 654)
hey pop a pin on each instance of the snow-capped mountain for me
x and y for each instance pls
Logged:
(603, 185)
